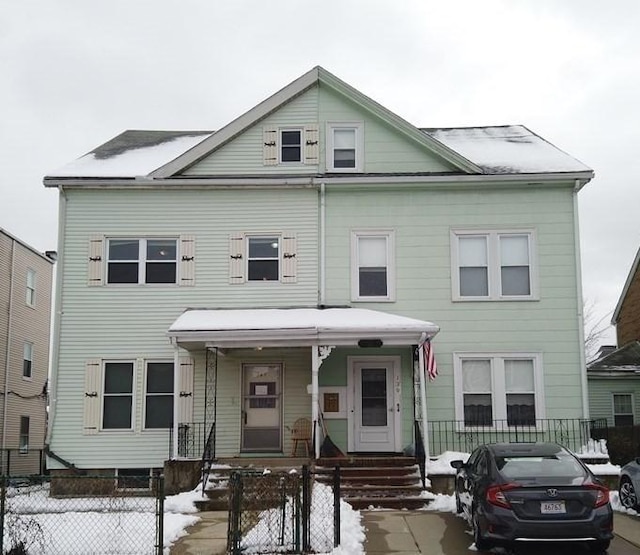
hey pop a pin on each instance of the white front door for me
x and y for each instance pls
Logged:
(375, 406)
(262, 407)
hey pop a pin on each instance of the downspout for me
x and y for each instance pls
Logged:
(423, 402)
(583, 362)
(7, 364)
(55, 347)
(322, 245)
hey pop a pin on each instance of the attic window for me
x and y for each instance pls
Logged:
(345, 147)
(290, 145)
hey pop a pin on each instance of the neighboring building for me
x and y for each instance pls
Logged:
(289, 263)
(25, 320)
(614, 378)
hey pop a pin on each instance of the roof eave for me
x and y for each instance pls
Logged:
(625, 289)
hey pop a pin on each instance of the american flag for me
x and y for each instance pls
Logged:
(430, 366)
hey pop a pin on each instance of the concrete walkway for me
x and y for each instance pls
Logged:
(401, 532)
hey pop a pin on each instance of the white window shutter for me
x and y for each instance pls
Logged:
(270, 146)
(289, 258)
(311, 144)
(92, 394)
(187, 260)
(236, 259)
(96, 262)
(185, 393)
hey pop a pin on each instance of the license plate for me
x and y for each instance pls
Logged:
(552, 507)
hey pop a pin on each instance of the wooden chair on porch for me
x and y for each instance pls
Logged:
(301, 432)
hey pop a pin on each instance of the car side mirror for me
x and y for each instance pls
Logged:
(457, 464)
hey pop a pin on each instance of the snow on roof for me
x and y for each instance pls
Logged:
(333, 319)
(507, 149)
(132, 153)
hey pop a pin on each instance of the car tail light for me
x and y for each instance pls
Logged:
(495, 495)
(602, 495)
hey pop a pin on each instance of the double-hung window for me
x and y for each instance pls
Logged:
(117, 402)
(290, 145)
(372, 266)
(142, 261)
(158, 411)
(345, 145)
(493, 265)
(498, 389)
(31, 287)
(623, 409)
(263, 261)
(27, 360)
(24, 434)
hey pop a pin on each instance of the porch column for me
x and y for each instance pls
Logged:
(315, 367)
(423, 404)
(176, 399)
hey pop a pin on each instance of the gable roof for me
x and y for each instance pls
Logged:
(625, 289)
(474, 151)
(626, 359)
(507, 149)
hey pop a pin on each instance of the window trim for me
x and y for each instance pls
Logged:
(141, 260)
(103, 394)
(281, 145)
(494, 266)
(498, 388)
(30, 346)
(613, 407)
(358, 127)
(31, 283)
(389, 235)
(146, 393)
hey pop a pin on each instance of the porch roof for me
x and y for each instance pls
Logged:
(281, 327)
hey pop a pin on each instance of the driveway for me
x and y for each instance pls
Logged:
(413, 533)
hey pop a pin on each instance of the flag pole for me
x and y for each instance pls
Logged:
(423, 400)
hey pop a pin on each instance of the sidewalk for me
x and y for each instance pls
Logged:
(402, 532)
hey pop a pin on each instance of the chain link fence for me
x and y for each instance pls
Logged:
(272, 513)
(81, 514)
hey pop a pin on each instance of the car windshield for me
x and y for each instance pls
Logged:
(533, 467)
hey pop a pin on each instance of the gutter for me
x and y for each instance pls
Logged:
(64, 462)
(57, 315)
(7, 364)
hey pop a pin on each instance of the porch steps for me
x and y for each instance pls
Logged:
(386, 482)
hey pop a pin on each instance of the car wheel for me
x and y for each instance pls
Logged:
(627, 493)
(481, 543)
(599, 547)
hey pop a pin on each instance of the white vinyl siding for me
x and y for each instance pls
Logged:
(493, 265)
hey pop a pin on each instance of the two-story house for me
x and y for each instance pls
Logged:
(289, 265)
(614, 378)
(25, 325)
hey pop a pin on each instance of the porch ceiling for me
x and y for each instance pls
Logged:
(294, 327)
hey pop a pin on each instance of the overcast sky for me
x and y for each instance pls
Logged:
(74, 73)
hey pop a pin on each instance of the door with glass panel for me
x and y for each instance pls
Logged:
(374, 410)
(262, 407)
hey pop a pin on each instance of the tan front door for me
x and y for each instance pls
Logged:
(262, 407)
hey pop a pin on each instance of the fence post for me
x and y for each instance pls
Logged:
(336, 506)
(306, 509)
(160, 513)
(3, 497)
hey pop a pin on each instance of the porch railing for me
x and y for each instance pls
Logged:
(456, 435)
(444, 435)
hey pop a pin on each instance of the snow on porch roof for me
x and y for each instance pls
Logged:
(296, 326)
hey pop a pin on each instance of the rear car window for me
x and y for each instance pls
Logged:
(520, 467)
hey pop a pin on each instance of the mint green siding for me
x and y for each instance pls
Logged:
(386, 150)
(422, 219)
